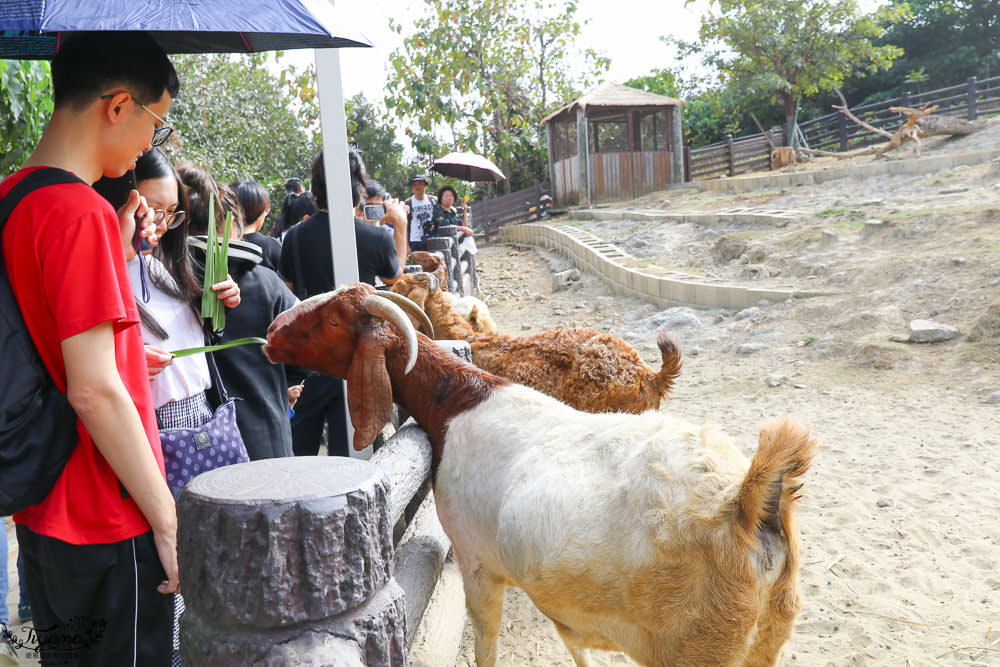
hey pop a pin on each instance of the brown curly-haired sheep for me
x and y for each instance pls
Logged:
(586, 369)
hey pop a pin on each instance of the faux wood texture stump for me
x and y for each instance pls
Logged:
(289, 559)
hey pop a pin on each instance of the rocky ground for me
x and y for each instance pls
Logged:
(901, 518)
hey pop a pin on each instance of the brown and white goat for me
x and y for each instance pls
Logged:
(639, 533)
(586, 369)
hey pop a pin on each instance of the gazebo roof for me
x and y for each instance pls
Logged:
(610, 94)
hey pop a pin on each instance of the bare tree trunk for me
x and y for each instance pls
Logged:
(936, 125)
(788, 99)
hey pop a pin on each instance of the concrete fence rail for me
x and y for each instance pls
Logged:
(293, 561)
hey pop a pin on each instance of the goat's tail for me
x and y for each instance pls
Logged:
(670, 352)
(770, 488)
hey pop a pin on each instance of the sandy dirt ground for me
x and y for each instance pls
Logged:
(900, 520)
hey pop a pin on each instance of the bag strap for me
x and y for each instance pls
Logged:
(36, 180)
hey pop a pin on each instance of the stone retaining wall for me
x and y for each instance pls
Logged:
(662, 286)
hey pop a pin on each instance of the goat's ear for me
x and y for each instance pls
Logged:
(369, 392)
(474, 314)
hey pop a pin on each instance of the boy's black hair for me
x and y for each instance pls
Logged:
(253, 198)
(89, 64)
(294, 186)
(359, 178)
(375, 189)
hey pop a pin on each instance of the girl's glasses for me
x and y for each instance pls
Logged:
(172, 218)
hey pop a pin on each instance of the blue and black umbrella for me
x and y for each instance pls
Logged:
(30, 29)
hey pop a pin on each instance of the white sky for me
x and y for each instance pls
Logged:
(626, 31)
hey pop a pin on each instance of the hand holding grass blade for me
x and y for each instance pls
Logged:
(250, 340)
(216, 267)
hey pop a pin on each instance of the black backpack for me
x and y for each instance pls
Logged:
(37, 423)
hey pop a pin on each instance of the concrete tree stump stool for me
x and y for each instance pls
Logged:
(289, 561)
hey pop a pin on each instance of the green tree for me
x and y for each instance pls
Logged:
(376, 138)
(238, 119)
(479, 75)
(25, 107)
(790, 48)
(949, 40)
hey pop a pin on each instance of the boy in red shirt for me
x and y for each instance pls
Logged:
(100, 550)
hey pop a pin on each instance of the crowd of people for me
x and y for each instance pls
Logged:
(107, 314)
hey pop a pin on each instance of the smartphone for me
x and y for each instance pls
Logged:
(374, 212)
(138, 242)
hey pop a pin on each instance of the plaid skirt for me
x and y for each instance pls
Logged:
(189, 412)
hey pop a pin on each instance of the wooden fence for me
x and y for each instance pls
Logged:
(489, 215)
(732, 156)
(835, 132)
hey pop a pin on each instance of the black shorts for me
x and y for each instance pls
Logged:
(96, 604)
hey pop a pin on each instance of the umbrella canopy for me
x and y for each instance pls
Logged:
(30, 28)
(468, 167)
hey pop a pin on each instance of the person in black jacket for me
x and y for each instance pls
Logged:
(262, 412)
(307, 267)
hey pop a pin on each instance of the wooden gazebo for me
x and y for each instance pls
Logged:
(614, 143)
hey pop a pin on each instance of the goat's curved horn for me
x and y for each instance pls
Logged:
(413, 310)
(379, 306)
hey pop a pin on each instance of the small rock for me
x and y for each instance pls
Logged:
(929, 331)
(954, 191)
(694, 351)
(564, 279)
(958, 261)
(886, 501)
(775, 380)
(525, 327)
(752, 311)
(828, 238)
(749, 348)
(604, 303)
(872, 202)
(873, 226)
(994, 398)
(763, 303)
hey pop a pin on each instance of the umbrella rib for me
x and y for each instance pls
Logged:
(246, 43)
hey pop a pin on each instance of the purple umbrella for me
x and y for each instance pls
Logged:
(468, 167)
(30, 29)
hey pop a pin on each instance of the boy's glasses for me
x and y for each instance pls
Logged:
(161, 133)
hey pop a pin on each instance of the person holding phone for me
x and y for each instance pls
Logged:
(101, 548)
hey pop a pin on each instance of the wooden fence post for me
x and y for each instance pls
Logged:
(842, 132)
(687, 163)
(729, 149)
(970, 96)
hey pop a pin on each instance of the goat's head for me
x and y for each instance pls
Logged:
(431, 262)
(348, 334)
(417, 286)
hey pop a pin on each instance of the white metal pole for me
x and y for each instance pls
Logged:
(333, 123)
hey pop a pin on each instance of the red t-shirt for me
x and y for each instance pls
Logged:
(63, 251)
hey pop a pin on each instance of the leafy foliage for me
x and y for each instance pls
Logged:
(709, 113)
(948, 40)
(382, 154)
(236, 118)
(786, 48)
(479, 75)
(25, 107)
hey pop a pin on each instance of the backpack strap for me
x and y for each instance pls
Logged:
(36, 180)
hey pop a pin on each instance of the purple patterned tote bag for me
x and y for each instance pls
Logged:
(188, 452)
